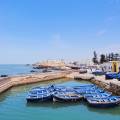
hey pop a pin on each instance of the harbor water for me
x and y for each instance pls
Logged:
(15, 69)
(13, 106)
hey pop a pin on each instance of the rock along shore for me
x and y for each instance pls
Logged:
(109, 85)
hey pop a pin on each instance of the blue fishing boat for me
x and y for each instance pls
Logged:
(39, 98)
(110, 101)
(89, 91)
(97, 95)
(39, 94)
(63, 89)
(67, 97)
(99, 72)
(84, 86)
(118, 77)
(59, 88)
(112, 75)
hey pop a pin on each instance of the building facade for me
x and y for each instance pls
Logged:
(112, 66)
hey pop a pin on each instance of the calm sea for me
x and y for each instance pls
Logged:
(13, 106)
(14, 69)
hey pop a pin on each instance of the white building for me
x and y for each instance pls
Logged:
(112, 66)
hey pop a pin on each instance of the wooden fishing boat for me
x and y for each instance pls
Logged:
(48, 88)
(66, 97)
(39, 98)
(59, 88)
(99, 72)
(89, 91)
(104, 102)
(84, 86)
(39, 94)
(63, 89)
(112, 75)
(97, 95)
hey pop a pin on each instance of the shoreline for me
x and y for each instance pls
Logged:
(17, 80)
(112, 85)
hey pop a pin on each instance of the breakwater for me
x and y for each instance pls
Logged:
(112, 85)
(109, 85)
(6, 83)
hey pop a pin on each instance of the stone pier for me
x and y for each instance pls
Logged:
(109, 85)
(6, 83)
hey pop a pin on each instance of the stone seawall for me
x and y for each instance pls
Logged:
(109, 85)
(6, 83)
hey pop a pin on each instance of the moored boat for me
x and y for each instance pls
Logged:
(63, 89)
(39, 94)
(89, 90)
(111, 101)
(112, 75)
(39, 98)
(97, 95)
(99, 72)
(59, 88)
(66, 97)
(84, 86)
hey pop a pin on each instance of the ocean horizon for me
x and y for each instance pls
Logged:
(15, 69)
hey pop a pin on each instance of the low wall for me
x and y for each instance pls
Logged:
(112, 86)
(115, 87)
(6, 83)
(109, 85)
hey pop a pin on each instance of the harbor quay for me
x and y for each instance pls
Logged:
(112, 86)
(8, 82)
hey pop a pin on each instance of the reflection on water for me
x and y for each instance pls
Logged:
(111, 111)
(53, 105)
(13, 106)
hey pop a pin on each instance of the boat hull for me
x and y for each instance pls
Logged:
(44, 99)
(112, 76)
(99, 73)
(106, 105)
(59, 99)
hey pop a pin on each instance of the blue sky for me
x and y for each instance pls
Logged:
(33, 30)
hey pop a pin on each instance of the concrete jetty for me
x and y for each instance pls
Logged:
(6, 83)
